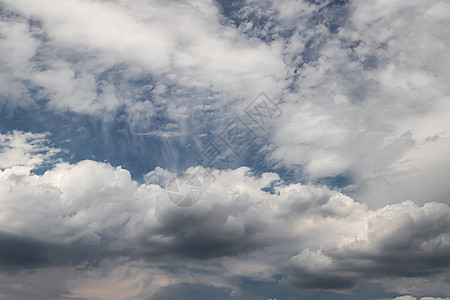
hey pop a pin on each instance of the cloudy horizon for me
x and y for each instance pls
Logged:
(224, 149)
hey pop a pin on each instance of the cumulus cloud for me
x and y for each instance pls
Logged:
(83, 213)
(396, 241)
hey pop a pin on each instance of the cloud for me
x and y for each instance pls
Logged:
(367, 103)
(124, 281)
(25, 149)
(401, 240)
(86, 212)
(417, 286)
(363, 91)
(204, 53)
(343, 70)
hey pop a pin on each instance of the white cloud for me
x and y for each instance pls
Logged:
(93, 207)
(184, 44)
(16, 49)
(366, 99)
(25, 149)
(370, 102)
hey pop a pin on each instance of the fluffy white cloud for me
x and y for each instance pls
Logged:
(25, 149)
(87, 211)
(188, 45)
(372, 102)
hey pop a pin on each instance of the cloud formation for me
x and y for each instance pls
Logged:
(84, 213)
(102, 102)
(341, 118)
(146, 37)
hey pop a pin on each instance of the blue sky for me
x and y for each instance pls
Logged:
(319, 131)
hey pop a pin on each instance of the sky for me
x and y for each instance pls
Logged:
(226, 149)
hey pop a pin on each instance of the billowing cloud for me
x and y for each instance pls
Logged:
(401, 240)
(83, 213)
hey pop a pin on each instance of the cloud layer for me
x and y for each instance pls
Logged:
(102, 102)
(91, 213)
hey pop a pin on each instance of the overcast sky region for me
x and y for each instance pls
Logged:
(225, 149)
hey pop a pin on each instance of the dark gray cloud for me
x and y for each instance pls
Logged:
(18, 253)
(406, 244)
(206, 234)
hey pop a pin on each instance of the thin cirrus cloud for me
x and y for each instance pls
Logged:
(100, 100)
